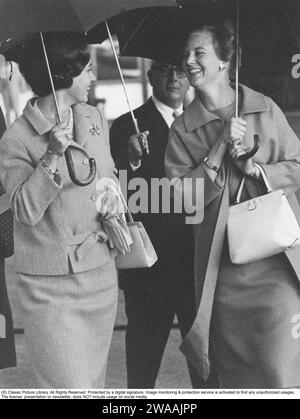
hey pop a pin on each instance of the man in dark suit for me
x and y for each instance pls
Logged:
(154, 296)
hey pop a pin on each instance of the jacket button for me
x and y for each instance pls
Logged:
(94, 197)
(85, 162)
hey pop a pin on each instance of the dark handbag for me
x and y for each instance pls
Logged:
(6, 229)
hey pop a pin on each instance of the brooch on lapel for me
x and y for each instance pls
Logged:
(95, 130)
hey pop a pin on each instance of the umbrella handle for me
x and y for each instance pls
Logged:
(252, 152)
(72, 173)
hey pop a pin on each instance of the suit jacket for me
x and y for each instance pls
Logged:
(56, 223)
(168, 232)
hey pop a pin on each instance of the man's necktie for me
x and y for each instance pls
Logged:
(175, 114)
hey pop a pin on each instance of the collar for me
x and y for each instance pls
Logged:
(42, 125)
(196, 115)
(164, 109)
(39, 122)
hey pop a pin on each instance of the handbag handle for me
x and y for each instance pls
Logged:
(125, 205)
(265, 179)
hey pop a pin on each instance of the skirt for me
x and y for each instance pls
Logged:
(255, 339)
(68, 323)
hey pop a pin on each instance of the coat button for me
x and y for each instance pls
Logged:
(94, 197)
(85, 162)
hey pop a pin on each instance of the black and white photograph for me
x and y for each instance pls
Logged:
(150, 201)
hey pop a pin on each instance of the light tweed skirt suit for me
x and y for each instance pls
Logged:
(67, 279)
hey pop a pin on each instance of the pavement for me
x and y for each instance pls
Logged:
(173, 372)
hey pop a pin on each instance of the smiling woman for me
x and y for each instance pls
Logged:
(67, 274)
(244, 324)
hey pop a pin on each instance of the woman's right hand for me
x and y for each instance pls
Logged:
(60, 139)
(234, 130)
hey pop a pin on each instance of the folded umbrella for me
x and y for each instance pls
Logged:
(118, 233)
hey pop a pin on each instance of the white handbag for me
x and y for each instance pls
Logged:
(142, 253)
(261, 227)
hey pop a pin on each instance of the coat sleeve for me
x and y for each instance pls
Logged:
(285, 173)
(179, 164)
(30, 188)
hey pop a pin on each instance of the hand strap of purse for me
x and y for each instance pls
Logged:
(265, 179)
(131, 220)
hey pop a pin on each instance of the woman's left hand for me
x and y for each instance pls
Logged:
(237, 149)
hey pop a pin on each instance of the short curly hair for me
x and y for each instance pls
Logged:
(68, 55)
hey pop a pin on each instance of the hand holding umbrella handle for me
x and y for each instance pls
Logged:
(253, 151)
(143, 143)
(72, 173)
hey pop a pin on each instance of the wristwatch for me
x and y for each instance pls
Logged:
(209, 164)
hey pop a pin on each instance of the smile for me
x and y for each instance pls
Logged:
(195, 71)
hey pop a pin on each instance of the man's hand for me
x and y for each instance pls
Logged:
(138, 144)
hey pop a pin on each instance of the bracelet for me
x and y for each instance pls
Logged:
(210, 165)
(49, 170)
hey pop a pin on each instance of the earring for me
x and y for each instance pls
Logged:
(222, 67)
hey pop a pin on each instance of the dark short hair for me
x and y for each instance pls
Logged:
(224, 41)
(68, 55)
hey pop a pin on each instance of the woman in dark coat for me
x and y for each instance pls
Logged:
(246, 318)
(7, 341)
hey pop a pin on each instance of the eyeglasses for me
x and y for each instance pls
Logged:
(167, 70)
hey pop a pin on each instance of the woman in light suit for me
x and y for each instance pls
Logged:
(67, 277)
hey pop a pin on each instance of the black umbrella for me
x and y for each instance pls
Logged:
(19, 19)
(269, 31)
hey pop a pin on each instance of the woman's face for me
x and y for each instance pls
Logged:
(200, 61)
(81, 86)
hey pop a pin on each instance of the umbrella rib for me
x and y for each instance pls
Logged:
(292, 27)
(137, 29)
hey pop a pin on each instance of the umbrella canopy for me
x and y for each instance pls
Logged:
(269, 31)
(20, 17)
